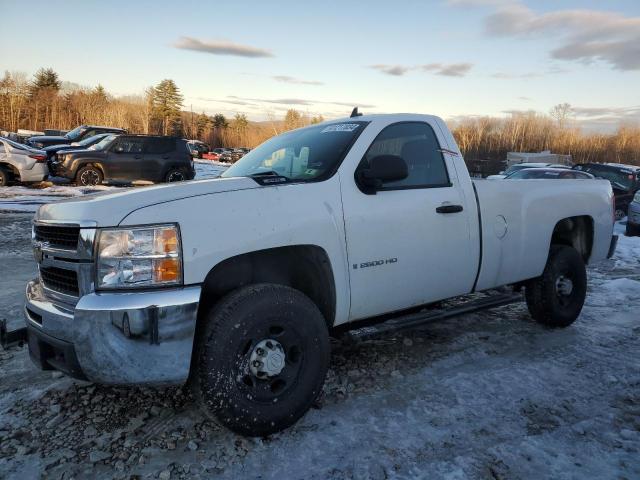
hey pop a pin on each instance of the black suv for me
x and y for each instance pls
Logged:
(75, 135)
(126, 159)
(625, 181)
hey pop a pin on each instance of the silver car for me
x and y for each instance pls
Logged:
(21, 163)
(633, 216)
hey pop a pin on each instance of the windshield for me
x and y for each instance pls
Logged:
(306, 154)
(105, 142)
(515, 168)
(537, 173)
(75, 133)
(620, 180)
(90, 140)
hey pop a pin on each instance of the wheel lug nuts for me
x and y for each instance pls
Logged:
(257, 363)
(260, 352)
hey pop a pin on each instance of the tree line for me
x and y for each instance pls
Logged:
(46, 102)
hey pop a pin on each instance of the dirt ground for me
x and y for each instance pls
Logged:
(491, 395)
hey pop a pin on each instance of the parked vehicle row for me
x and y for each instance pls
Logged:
(521, 166)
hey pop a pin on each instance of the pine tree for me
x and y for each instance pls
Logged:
(167, 105)
(293, 119)
(220, 121)
(203, 124)
(46, 78)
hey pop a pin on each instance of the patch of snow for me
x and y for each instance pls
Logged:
(28, 199)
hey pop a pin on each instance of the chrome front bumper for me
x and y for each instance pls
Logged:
(115, 338)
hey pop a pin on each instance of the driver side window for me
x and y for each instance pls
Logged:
(129, 145)
(417, 145)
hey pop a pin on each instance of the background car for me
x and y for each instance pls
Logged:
(197, 148)
(521, 166)
(126, 159)
(633, 218)
(625, 181)
(88, 142)
(20, 163)
(548, 173)
(75, 135)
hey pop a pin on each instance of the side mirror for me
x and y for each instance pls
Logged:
(381, 169)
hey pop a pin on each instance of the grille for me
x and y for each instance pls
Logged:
(60, 280)
(58, 237)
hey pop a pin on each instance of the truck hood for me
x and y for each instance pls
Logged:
(49, 139)
(108, 209)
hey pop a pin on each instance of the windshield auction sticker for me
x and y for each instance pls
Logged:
(340, 127)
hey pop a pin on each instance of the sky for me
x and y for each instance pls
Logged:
(452, 58)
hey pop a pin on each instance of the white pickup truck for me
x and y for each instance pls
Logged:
(236, 283)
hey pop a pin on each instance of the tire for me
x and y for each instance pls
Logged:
(619, 214)
(226, 383)
(175, 175)
(631, 230)
(556, 297)
(89, 176)
(4, 177)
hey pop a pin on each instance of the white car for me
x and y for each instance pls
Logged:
(235, 283)
(21, 163)
(520, 166)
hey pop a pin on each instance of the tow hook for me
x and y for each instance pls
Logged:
(12, 338)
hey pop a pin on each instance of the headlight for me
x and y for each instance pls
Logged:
(139, 257)
(636, 197)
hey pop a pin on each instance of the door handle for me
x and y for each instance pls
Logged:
(449, 209)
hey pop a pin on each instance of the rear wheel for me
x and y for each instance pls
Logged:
(4, 177)
(262, 359)
(557, 296)
(89, 176)
(175, 175)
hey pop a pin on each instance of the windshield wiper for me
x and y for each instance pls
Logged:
(267, 173)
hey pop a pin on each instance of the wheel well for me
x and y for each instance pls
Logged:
(576, 232)
(10, 169)
(304, 267)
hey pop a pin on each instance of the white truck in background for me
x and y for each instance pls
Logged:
(235, 283)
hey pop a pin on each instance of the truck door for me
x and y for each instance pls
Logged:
(408, 244)
(124, 162)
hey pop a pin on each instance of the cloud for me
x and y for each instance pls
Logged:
(584, 35)
(395, 70)
(300, 102)
(220, 48)
(619, 113)
(446, 69)
(298, 81)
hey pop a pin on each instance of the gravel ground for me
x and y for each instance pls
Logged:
(490, 395)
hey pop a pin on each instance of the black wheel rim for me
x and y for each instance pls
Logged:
(175, 177)
(268, 389)
(89, 178)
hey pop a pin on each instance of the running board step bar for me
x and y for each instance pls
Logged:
(414, 320)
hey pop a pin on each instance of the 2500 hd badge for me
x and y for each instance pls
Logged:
(375, 263)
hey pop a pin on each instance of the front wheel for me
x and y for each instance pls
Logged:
(556, 297)
(89, 176)
(262, 359)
